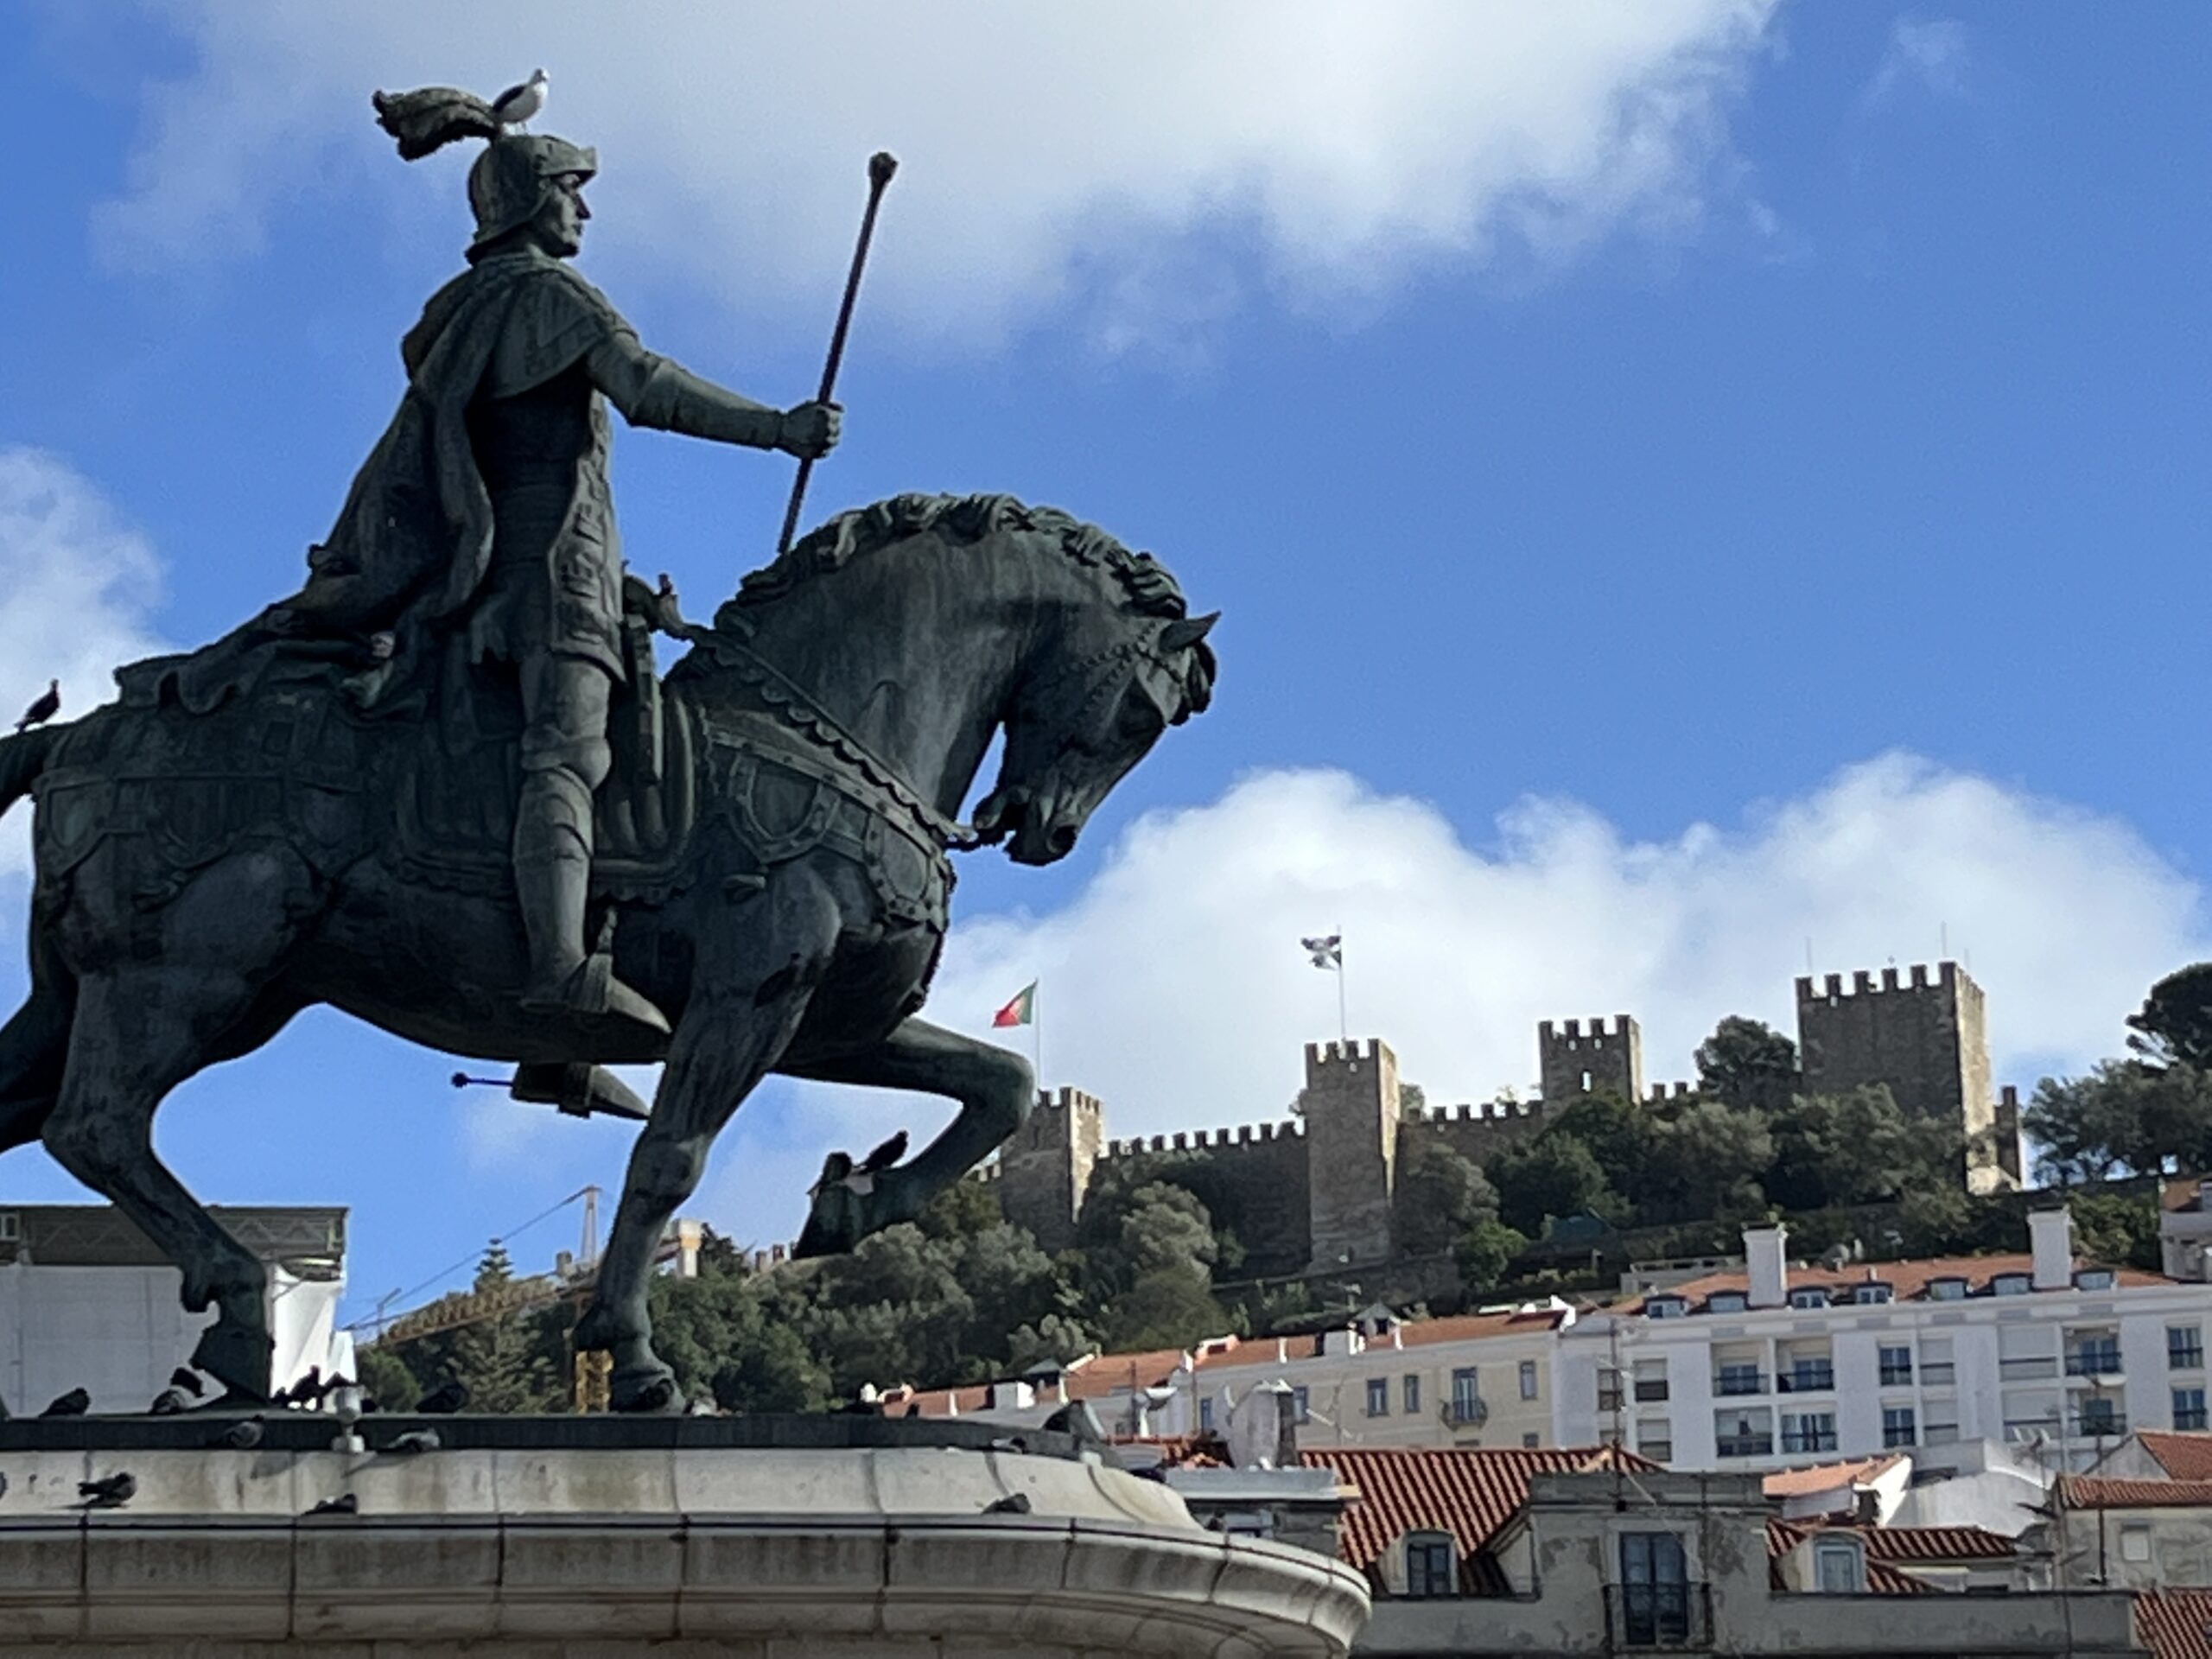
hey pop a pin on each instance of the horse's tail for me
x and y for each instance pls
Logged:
(22, 757)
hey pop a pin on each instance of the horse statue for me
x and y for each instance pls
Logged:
(214, 855)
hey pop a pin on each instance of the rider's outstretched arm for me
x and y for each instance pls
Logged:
(651, 391)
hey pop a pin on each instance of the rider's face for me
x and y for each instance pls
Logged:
(560, 222)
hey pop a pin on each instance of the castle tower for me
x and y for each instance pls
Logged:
(1350, 1106)
(1572, 1061)
(1926, 1040)
(1044, 1169)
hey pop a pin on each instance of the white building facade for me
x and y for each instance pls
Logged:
(1778, 1365)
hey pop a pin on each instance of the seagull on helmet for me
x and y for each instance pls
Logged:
(514, 107)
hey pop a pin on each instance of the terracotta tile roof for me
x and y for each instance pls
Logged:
(1906, 1279)
(1882, 1578)
(1469, 1492)
(2172, 1623)
(2183, 1456)
(1826, 1476)
(1182, 1451)
(1935, 1544)
(2101, 1492)
(1419, 1333)
(1122, 1373)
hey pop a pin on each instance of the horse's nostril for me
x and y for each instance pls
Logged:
(1062, 841)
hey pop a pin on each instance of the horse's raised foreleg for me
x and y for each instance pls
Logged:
(995, 1088)
(742, 1011)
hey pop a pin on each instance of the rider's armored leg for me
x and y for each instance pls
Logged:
(564, 758)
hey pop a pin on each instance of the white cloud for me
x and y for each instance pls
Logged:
(1174, 987)
(1046, 149)
(1932, 54)
(77, 585)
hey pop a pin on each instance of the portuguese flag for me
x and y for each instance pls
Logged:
(1021, 1011)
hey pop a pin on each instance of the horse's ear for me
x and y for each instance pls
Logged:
(1181, 636)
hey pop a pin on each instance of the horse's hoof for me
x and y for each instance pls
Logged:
(655, 1393)
(237, 1359)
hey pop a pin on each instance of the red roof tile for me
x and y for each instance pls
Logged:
(2183, 1456)
(2101, 1492)
(1826, 1476)
(1906, 1279)
(1419, 1333)
(1936, 1544)
(2173, 1623)
(1469, 1492)
(1882, 1578)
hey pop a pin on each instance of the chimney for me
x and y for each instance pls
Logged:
(2050, 1241)
(690, 1234)
(1768, 1268)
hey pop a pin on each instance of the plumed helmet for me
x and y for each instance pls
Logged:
(511, 180)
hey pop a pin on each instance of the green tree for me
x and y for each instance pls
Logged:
(2174, 1025)
(1854, 1147)
(1440, 1195)
(385, 1377)
(1167, 1228)
(2124, 1114)
(1710, 1161)
(1484, 1253)
(2121, 1232)
(1553, 1175)
(1617, 1132)
(727, 1341)
(498, 1358)
(1747, 1064)
(1053, 1339)
(1172, 1307)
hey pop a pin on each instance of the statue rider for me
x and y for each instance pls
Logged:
(482, 524)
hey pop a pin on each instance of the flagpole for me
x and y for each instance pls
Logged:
(1037, 1033)
(1343, 1025)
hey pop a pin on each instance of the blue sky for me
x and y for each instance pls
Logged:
(1682, 481)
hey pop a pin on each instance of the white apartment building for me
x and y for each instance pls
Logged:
(1778, 1365)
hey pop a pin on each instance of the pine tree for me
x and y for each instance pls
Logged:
(496, 1357)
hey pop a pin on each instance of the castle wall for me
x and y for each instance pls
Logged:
(1260, 1180)
(1045, 1169)
(1573, 1061)
(1350, 1108)
(1478, 1133)
(1926, 1040)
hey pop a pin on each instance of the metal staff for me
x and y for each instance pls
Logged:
(881, 167)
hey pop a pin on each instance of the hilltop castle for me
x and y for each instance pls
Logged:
(1315, 1193)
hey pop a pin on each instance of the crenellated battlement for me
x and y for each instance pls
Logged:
(1570, 1030)
(1575, 1057)
(1661, 1093)
(1864, 983)
(1243, 1134)
(1486, 1111)
(1327, 1059)
(1069, 1100)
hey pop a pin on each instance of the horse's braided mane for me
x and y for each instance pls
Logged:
(962, 520)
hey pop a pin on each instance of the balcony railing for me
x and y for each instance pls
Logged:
(1659, 1615)
(1746, 1445)
(2027, 1370)
(2093, 1362)
(1896, 1376)
(1467, 1411)
(1650, 1389)
(1794, 1441)
(1806, 1379)
(2185, 1359)
(1739, 1383)
(2097, 1425)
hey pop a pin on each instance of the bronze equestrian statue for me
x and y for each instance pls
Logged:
(444, 789)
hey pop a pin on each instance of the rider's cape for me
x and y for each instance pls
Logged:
(413, 541)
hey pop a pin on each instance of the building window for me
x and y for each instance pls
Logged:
(1205, 1415)
(1838, 1567)
(1298, 1405)
(2135, 1541)
(1738, 1376)
(1725, 1301)
(1650, 1381)
(2189, 1409)
(1808, 1299)
(1655, 1591)
(2184, 1348)
(1946, 1290)
(1410, 1392)
(1609, 1389)
(1467, 1405)
(1897, 1426)
(1430, 1568)
(2011, 1284)
(1527, 1379)
(1529, 1440)
(1378, 1396)
(1656, 1440)
(2092, 1353)
(1743, 1434)
(1812, 1375)
(2100, 1418)
(1937, 1433)
(1868, 1295)
(1664, 1308)
(1896, 1367)
(2094, 1278)
(1807, 1431)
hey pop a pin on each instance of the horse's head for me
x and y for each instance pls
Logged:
(1080, 720)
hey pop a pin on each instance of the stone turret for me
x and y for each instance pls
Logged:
(1574, 1061)
(1350, 1106)
(1044, 1171)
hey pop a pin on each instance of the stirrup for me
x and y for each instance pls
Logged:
(590, 992)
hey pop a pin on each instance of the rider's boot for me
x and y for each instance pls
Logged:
(552, 857)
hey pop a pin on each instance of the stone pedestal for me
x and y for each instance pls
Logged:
(700, 1544)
